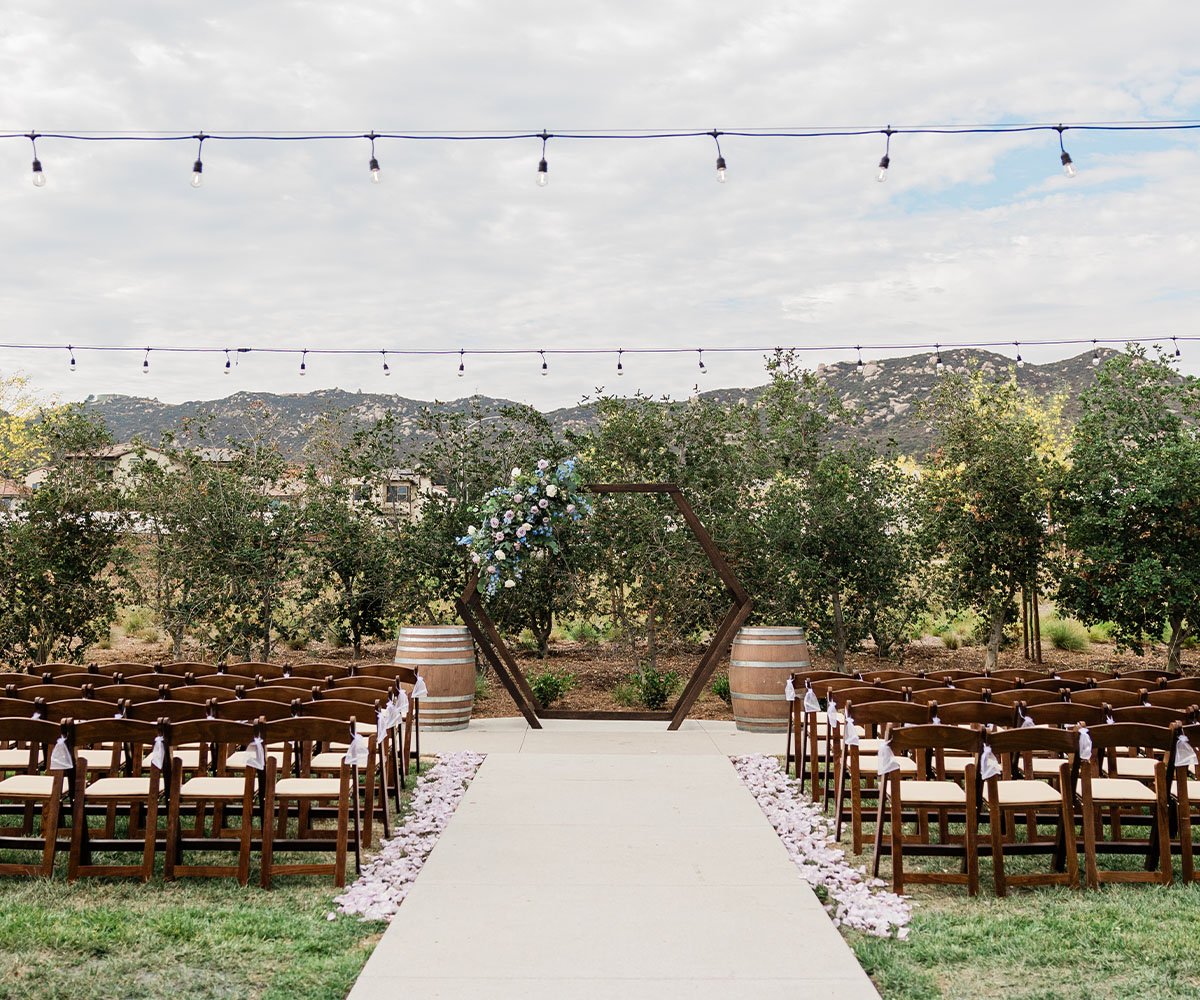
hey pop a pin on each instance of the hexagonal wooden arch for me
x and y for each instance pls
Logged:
(487, 636)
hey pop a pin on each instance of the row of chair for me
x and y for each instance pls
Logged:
(238, 783)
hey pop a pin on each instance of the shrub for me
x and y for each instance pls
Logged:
(952, 640)
(1100, 632)
(582, 631)
(1066, 633)
(550, 685)
(138, 623)
(720, 687)
(481, 687)
(648, 687)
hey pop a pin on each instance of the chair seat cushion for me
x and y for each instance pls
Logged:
(1027, 793)
(27, 786)
(237, 760)
(869, 745)
(308, 788)
(331, 760)
(120, 788)
(936, 793)
(1119, 790)
(97, 757)
(869, 764)
(1047, 766)
(1136, 767)
(212, 788)
(957, 765)
(190, 759)
(10, 759)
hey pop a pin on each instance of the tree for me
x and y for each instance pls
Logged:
(61, 553)
(22, 445)
(988, 488)
(1130, 503)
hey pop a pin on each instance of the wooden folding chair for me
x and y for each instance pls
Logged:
(1006, 795)
(253, 668)
(1022, 674)
(42, 782)
(129, 781)
(375, 776)
(319, 671)
(923, 796)
(196, 668)
(216, 739)
(1026, 696)
(308, 734)
(1187, 797)
(1105, 696)
(1097, 792)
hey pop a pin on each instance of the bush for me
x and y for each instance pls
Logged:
(1101, 632)
(481, 687)
(550, 685)
(138, 623)
(647, 687)
(720, 687)
(1066, 633)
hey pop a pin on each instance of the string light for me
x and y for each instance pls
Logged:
(1095, 355)
(462, 365)
(228, 363)
(1067, 164)
(858, 368)
(703, 370)
(1178, 352)
(39, 177)
(386, 369)
(720, 159)
(938, 367)
(146, 363)
(71, 352)
(545, 367)
(620, 366)
(373, 165)
(543, 170)
(303, 360)
(584, 134)
(1020, 360)
(198, 166)
(885, 161)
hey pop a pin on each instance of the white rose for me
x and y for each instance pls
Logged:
(509, 584)
(471, 530)
(551, 490)
(515, 472)
(500, 557)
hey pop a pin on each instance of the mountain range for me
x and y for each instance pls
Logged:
(887, 392)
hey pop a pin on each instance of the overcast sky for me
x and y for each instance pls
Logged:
(631, 244)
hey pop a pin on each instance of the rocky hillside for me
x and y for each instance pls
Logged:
(888, 393)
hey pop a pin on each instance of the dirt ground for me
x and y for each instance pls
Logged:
(598, 668)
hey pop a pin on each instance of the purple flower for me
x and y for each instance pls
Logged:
(495, 522)
(570, 508)
(543, 465)
(543, 503)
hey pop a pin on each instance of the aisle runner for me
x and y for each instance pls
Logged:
(386, 880)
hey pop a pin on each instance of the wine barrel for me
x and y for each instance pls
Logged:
(444, 656)
(760, 661)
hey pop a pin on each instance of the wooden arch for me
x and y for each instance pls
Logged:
(487, 636)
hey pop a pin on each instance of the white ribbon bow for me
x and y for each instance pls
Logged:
(419, 689)
(1085, 744)
(158, 753)
(256, 754)
(356, 753)
(989, 767)
(1185, 753)
(401, 706)
(381, 723)
(1027, 722)
(811, 702)
(937, 720)
(887, 761)
(60, 756)
(851, 731)
(789, 690)
(831, 715)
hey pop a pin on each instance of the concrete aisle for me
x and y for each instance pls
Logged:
(610, 860)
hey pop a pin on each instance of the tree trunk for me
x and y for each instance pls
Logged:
(177, 632)
(839, 630)
(1178, 633)
(267, 616)
(995, 634)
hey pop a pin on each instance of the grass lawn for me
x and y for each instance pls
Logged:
(1046, 943)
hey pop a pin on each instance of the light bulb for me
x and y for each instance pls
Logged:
(374, 171)
(197, 173)
(1068, 166)
(720, 170)
(39, 178)
(881, 175)
(543, 173)
(1020, 361)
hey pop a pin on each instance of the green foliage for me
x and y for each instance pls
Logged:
(1130, 502)
(648, 687)
(482, 687)
(581, 630)
(62, 558)
(550, 686)
(1100, 632)
(1066, 633)
(720, 687)
(986, 494)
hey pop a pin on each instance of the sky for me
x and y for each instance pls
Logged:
(631, 244)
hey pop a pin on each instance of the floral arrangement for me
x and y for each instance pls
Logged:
(524, 520)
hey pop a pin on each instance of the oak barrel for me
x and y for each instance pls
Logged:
(760, 661)
(444, 655)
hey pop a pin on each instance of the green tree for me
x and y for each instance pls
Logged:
(988, 488)
(61, 553)
(1130, 503)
